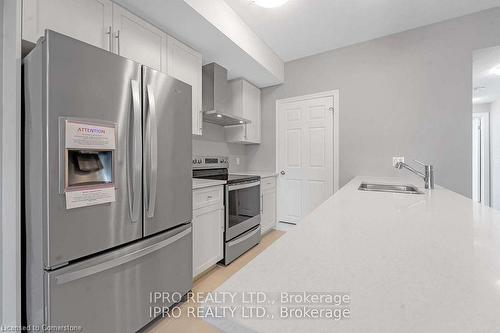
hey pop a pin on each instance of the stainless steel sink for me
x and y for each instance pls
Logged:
(392, 188)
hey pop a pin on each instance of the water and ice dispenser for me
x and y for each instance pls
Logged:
(89, 167)
(89, 163)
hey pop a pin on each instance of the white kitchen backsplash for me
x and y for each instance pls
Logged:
(212, 143)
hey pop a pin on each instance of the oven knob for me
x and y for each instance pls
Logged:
(199, 161)
(194, 161)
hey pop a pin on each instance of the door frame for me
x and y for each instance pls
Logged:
(336, 135)
(485, 157)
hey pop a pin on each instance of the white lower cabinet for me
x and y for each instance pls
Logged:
(268, 204)
(208, 228)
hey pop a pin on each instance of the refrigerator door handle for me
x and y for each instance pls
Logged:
(152, 135)
(107, 265)
(134, 190)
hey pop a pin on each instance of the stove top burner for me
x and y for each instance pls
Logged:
(231, 178)
(222, 174)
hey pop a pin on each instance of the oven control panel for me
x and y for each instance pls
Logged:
(210, 162)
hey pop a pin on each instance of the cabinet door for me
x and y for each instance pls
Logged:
(246, 104)
(184, 64)
(237, 99)
(87, 20)
(268, 206)
(251, 110)
(138, 40)
(208, 229)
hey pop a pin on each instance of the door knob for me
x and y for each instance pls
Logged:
(282, 172)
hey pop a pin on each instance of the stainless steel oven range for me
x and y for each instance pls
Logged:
(241, 201)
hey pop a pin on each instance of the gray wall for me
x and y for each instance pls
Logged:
(495, 154)
(212, 143)
(409, 94)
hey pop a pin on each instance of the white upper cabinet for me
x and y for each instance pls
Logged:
(87, 20)
(100, 23)
(111, 27)
(246, 104)
(185, 64)
(138, 40)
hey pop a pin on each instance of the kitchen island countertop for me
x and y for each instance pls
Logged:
(410, 263)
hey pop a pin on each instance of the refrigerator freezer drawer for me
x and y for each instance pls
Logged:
(112, 293)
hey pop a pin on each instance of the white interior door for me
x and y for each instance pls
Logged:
(476, 159)
(305, 155)
(481, 158)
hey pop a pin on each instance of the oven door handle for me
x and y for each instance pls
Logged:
(244, 237)
(242, 186)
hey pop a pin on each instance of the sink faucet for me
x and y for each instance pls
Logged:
(427, 175)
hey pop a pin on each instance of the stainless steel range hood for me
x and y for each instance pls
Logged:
(217, 97)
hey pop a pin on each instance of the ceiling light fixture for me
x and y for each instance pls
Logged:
(269, 3)
(496, 71)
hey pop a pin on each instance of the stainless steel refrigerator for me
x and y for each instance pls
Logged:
(107, 187)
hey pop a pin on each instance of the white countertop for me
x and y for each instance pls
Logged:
(200, 183)
(262, 174)
(411, 263)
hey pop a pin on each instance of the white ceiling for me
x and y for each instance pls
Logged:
(306, 27)
(484, 61)
(180, 20)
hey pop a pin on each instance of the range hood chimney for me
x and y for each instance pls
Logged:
(217, 97)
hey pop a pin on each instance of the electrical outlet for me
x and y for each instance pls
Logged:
(395, 160)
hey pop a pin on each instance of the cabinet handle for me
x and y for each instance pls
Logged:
(261, 203)
(117, 36)
(110, 44)
(209, 197)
